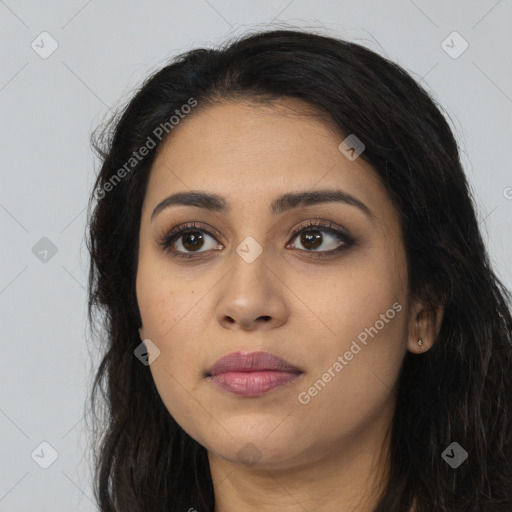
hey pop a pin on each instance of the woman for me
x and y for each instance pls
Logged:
(298, 308)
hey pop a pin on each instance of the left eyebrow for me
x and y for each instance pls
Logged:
(283, 203)
(309, 198)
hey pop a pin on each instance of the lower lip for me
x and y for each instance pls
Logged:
(253, 383)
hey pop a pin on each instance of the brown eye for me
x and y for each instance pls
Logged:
(311, 239)
(188, 240)
(192, 240)
(321, 239)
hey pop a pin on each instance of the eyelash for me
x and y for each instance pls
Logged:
(348, 241)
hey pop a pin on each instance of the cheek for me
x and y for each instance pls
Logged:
(161, 303)
(344, 303)
(170, 321)
(178, 393)
(353, 378)
(369, 301)
(170, 308)
(359, 347)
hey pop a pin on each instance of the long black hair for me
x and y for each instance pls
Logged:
(458, 391)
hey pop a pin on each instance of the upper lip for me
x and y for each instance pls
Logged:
(252, 361)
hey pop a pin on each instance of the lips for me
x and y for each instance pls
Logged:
(251, 362)
(252, 374)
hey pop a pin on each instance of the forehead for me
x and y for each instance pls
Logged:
(255, 152)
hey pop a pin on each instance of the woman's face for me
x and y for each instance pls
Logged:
(241, 281)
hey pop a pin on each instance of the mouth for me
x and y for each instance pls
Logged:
(252, 374)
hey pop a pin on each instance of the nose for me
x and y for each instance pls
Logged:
(252, 297)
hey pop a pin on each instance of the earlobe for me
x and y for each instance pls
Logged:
(424, 327)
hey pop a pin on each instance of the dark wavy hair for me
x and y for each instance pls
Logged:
(460, 390)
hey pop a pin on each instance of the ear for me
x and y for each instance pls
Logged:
(141, 334)
(424, 325)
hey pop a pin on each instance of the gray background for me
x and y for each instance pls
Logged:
(49, 106)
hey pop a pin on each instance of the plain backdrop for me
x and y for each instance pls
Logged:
(64, 64)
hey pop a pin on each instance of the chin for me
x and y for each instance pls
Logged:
(258, 453)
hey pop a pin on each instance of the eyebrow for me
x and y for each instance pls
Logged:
(283, 203)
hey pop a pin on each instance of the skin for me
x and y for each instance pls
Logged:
(330, 454)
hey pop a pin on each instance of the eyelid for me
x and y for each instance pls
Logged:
(322, 225)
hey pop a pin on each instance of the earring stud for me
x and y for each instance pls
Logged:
(420, 342)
